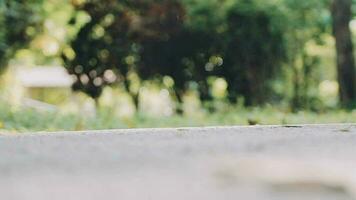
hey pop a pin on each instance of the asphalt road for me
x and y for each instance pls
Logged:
(251, 163)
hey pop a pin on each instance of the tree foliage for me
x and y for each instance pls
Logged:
(19, 21)
(188, 41)
(254, 50)
(307, 21)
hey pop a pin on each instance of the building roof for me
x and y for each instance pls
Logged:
(45, 77)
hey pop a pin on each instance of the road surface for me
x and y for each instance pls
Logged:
(309, 162)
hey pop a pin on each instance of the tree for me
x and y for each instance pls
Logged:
(100, 46)
(19, 21)
(341, 13)
(188, 41)
(145, 37)
(254, 50)
(306, 23)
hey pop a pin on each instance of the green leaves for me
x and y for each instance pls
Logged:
(18, 21)
(178, 39)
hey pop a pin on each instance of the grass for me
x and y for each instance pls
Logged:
(28, 120)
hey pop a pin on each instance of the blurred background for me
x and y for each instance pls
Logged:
(103, 64)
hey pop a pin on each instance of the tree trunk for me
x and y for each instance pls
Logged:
(341, 13)
(135, 96)
(179, 107)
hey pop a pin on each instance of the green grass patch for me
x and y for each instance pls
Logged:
(29, 120)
